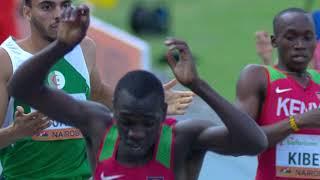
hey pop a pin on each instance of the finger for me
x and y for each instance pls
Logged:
(173, 41)
(75, 15)
(68, 13)
(19, 111)
(38, 122)
(31, 116)
(84, 13)
(189, 94)
(170, 59)
(45, 118)
(261, 36)
(185, 100)
(179, 112)
(44, 125)
(42, 116)
(84, 10)
(261, 33)
(258, 33)
(184, 93)
(170, 84)
(265, 34)
(182, 48)
(63, 15)
(182, 107)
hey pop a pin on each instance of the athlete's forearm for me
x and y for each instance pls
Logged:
(277, 132)
(245, 134)
(7, 136)
(30, 76)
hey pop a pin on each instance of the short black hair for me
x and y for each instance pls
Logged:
(140, 84)
(27, 3)
(277, 18)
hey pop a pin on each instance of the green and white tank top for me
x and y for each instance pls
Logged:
(69, 74)
(58, 152)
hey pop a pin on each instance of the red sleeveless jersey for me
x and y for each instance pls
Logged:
(159, 168)
(297, 156)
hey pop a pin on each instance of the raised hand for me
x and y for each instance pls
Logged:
(264, 47)
(73, 25)
(30, 124)
(178, 101)
(184, 69)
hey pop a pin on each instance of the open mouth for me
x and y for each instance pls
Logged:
(299, 58)
(135, 146)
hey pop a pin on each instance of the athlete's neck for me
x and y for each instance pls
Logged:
(127, 159)
(33, 44)
(299, 74)
(302, 77)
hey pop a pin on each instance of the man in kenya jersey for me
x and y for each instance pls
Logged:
(137, 143)
(282, 100)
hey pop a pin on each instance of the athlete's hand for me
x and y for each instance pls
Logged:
(264, 47)
(178, 101)
(184, 68)
(73, 25)
(29, 124)
(308, 119)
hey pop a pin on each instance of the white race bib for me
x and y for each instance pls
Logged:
(298, 156)
(58, 130)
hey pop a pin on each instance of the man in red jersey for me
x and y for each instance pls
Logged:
(138, 142)
(280, 98)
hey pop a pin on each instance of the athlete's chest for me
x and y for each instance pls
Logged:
(286, 97)
(111, 169)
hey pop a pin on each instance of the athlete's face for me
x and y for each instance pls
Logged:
(44, 16)
(295, 39)
(138, 122)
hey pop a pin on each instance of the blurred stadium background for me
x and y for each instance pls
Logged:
(220, 33)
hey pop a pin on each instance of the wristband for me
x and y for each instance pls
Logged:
(293, 124)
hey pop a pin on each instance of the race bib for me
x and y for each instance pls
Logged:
(58, 130)
(298, 156)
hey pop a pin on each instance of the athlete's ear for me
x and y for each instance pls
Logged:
(26, 10)
(274, 41)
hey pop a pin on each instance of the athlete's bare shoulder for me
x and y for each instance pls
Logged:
(88, 47)
(6, 66)
(254, 69)
(253, 75)
(87, 42)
